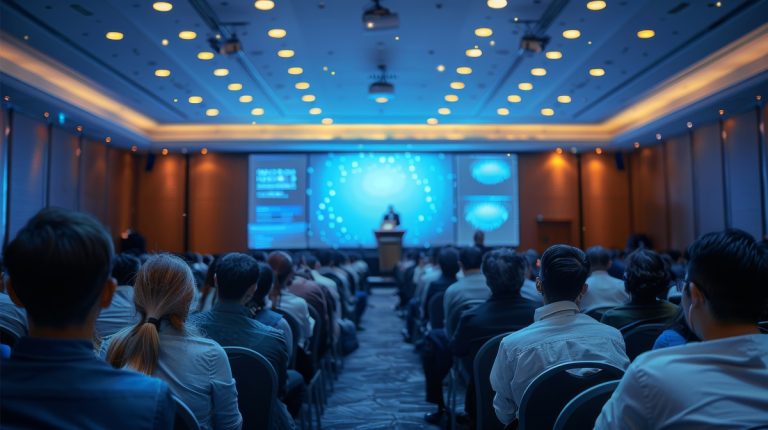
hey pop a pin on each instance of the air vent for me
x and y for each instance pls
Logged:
(678, 8)
(81, 10)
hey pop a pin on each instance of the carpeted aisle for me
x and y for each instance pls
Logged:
(382, 385)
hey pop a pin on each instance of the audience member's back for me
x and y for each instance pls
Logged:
(721, 382)
(121, 312)
(604, 290)
(59, 266)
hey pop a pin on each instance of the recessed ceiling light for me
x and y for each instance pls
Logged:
(205, 55)
(285, 53)
(164, 151)
(502, 111)
(646, 34)
(596, 5)
(381, 99)
(636, 145)
(211, 112)
(257, 111)
(539, 71)
(114, 35)
(464, 70)
(571, 34)
(558, 151)
(246, 99)
(599, 151)
(221, 72)
(162, 6)
(547, 111)
(432, 121)
(264, 4)
(302, 85)
(162, 73)
(474, 52)
(525, 86)
(440, 68)
(235, 86)
(457, 85)
(497, 4)
(563, 99)
(277, 33)
(514, 98)
(164, 42)
(327, 121)
(308, 98)
(451, 98)
(483, 32)
(295, 70)
(195, 100)
(187, 35)
(315, 111)
(204, 151)
(597, 72)
(554, 55)
(444, 111)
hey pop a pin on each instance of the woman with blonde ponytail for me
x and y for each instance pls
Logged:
(196, 369)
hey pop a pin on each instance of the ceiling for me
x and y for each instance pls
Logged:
(339, 58)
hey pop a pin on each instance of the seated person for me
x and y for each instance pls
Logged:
(206, 295)
(529, 291)
(560, 333)
(449, 267)
(121, 312)
(282, 298)
(262, 311)
(721, 381)
(677, 334)
(471, 288)
(506, 310)
(604, 290)
(59, 266)
(647, 276)
(12, 317)
(229, 323)
(196, 368)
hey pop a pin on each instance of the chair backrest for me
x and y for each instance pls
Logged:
(481, 368)
(8, 337)
(318, 338)
(640, 338)
(597, 313)
(296, 332)
(436, 311)
(582, 411)
(256, 382)
(184, 419)
(549, 392)
(452, 319)
(763, 326)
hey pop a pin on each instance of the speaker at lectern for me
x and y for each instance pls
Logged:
(390, 241)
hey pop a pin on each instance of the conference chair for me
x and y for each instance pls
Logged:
(597, 313)
(436, 311)
(583, 410)
(256, 383)
(296, 330)
(481, 368)
(183, 418)
(460, 367)
(763, 326)
(640, 338)
(316, 390)
(8, 337)
(548, 393)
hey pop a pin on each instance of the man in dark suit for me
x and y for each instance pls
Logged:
(392, 217)
(505, 311)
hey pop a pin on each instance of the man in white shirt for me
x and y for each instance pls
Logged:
(559, 334)
(605, 291)
(721, 382)
(121, 313)
(469, 289)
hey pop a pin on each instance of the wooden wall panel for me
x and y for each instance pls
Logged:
(161, 203)
(743, 172)
(28, 170)
(606, 202)
(5, 130)
(708, 175)
(93, 177)
(680, 185)
(218, 203)
(649, 195)
(64, 169)
(120, 190)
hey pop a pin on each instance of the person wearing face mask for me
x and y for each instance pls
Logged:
(722, 381)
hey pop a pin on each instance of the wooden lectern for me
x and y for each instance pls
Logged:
(390, 248)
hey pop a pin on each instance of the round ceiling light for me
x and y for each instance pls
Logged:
(295, 70)
(457, 85)
(205, 55)
(497, 4)
(327, 121)
(451, 98)
(211, 112)
(221, 72)
(195, 100)
(277, 33)
(646, 34)
(264, 4)
(235, 86)
(473, 52)
(596, 5)
(302, 85)
(114, 35)
(162, 6)
(539, 71)
(257, 111)
(464, 70)
(554, 55)
(246, 99)
(547, 111)
(525, 86)
(162, 73)
(187, 35)
(564, 99)
(571, 34)
(315, 111)
(502, 111)
(514, 98)
(483, 32)
(444, 111)
(597, 72)
(308, 98)
(285, 53)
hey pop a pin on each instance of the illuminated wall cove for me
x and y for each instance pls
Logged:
(337, 200)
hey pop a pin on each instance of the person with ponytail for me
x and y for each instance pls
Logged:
(281, 298)
(160, 345)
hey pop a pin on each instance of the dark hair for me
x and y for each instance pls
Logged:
(531, 256)
(339, 258)
(208, 284)
(471, 257)
(263, 286)
(504, 271)
(282, 266)
(235, 274)
(564, 269)
(647, 275)
(449, 262)
(124, 269)
(599, 258)
(731, 270)
(309, 260)
(324, 256)
(58, 264)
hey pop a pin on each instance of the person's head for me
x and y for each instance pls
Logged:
(310, 261)
(163, 291)
(479, 238)
(263, 285)
(599, 258)
(449, 262)
(726, 281)
(471, 258)
(236, 277)
(282, 266)
(340, 258)
(324, 257)
(532, 257)
(647, 275)
(124, 269)
(390, 209)
(564, 270)
(59, 267)
(504, 271)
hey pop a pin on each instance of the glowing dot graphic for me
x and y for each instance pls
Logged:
(486, 216)
(490, 172)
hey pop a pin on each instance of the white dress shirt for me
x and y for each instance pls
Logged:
(297, 308)
(603, 291)
(12, 317)
(120, 314)
(471, 288)
(719, 384)
(559, 334)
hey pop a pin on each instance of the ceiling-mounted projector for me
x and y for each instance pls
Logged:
(533, 43)
(380, 18)
(381, 91)
(228, 47)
